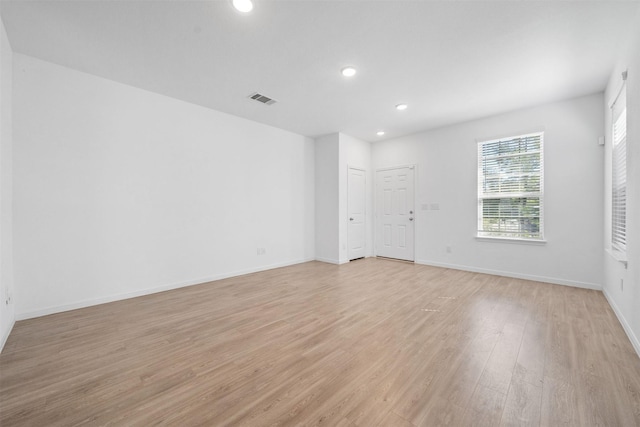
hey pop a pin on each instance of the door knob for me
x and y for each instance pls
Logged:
(350, 219)
(411, 219)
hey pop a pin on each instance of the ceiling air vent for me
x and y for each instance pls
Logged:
(261, 98)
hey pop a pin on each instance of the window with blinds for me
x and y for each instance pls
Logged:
(619, 177)
(510, 187)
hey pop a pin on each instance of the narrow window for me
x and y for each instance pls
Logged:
(619, 175)
(510, 187)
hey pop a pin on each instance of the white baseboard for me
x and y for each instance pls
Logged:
(5, 336)
(623, 322)
(329, 260)
(148, 291)
(544, 279)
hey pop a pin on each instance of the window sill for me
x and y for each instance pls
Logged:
(618, 256)
(537, 242)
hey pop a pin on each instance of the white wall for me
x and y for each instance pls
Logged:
(121, 192)
(446, 162)
(327, 184)
(625, 299)
(7, 310)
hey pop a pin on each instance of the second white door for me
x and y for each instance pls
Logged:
(395, 214)
(356, 189)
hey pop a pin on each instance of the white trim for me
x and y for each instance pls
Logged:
(617, 256)
(511, 240)
(531, 131)
(524, 135)
(552, 280)
(620, 89)
(390, 168)
(149, 291)
(623, 321)
(5, 337)
(331, 261)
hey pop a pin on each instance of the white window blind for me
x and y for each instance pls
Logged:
(619, 175)
(510, 187)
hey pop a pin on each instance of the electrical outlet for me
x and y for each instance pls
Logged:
(261, 251)
(448, 248)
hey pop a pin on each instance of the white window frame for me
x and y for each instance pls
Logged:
(619, 175)
(514, 236)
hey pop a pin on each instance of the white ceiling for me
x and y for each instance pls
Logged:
(451, 61)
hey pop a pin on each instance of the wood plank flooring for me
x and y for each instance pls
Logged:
(369, 343)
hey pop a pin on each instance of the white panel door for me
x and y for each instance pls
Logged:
(356, 187)
(395, 219)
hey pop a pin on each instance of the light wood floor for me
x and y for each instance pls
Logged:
(369, 343)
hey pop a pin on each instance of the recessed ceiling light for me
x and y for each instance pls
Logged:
(380, 133)
(348, 71)
(401, 107)
(243, 6)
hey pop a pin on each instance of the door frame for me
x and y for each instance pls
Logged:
(375, 206)
(349, 167)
